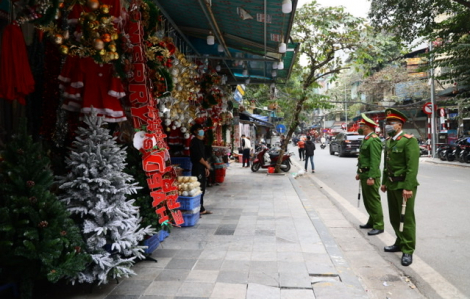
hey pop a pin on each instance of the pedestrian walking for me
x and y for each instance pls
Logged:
(400, 182)
(301, 145)
(368, 172)
(201, 168)
(246, 143)
(309, 153)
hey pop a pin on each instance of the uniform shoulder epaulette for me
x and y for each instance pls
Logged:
(408, 136)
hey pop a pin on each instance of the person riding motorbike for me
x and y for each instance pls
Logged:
(323, 142)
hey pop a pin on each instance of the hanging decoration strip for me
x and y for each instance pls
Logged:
(150, 137)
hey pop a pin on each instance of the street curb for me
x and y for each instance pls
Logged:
(439, 287)
(347, 275)
(446, 163)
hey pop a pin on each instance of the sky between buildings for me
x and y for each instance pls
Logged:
(358, 8)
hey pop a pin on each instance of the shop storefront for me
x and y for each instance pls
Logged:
(122, 83)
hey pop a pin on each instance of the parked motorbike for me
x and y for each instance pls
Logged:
(266, 157)
(322, 146)
(443, 151)
(458, 147)
(423, 149)
(464, 155)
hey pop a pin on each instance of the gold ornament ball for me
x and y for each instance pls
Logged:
(104, 9)
(109, 56)
(114, 36)
(102, 52)
(91, 25)
(64, 49)
(115, 55)
(91, 16)
(168, 129)
(112, 48)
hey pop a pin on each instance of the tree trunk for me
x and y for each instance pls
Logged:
(293, 125)
(413, 118)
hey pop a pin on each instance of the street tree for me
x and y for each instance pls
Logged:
(325, 34)
(411, 19)
(442, 22)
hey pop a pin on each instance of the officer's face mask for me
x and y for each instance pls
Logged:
(360, 131)
(390, 129)
(200, 132)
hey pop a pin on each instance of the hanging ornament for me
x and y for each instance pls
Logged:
(112, 48)
(93, 4)
(104, 9)
(58, 39)
(98, 44)
(64, 49)
(106, 37)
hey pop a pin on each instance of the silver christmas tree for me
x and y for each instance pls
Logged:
(95, 192)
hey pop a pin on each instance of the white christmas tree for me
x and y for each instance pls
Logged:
(95, 189)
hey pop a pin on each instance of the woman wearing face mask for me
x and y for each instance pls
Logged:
(400, 182)
(201, 168)
(368, 171)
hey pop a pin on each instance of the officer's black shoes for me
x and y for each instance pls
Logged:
(375, 232)
(406, 259)
(365, 226)
(392, 248)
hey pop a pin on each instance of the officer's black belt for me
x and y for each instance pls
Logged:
(363, 169)
(396, 178)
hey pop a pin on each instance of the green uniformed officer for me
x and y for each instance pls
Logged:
(368, 171)
(400, 182)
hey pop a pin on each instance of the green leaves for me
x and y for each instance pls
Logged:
(31, 218)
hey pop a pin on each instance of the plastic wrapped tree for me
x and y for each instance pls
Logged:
(38, 239)
(95, 191)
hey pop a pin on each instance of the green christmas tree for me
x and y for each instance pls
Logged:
(143, 200)
(38, 239)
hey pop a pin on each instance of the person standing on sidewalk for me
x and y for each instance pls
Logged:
(246, 151)
(301, 145)
(400, 182)
(201, 168)
(309, 152)
(368, 172)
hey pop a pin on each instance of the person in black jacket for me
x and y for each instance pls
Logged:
(201, 168)
(309, 152)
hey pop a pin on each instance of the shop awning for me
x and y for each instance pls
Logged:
(247, 32)
(256, 119)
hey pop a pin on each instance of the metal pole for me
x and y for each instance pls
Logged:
(345, 108)
(433, 105)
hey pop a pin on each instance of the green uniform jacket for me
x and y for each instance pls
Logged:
(370, 154)
(401, 161)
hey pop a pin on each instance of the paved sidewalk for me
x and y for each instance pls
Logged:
(265, 240)
(439, 161)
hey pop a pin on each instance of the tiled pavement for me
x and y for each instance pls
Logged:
(260, 242)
